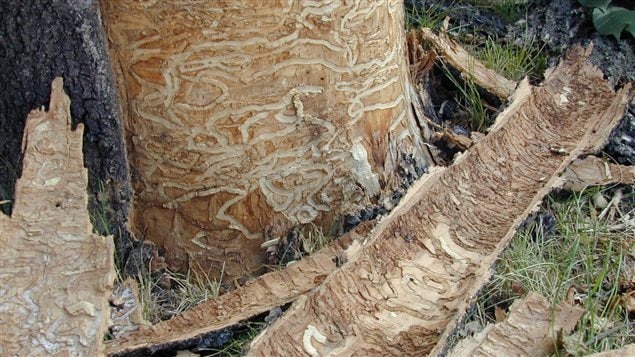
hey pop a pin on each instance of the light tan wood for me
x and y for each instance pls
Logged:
(593, 171)
(422, 266)
(531, 328)
(55, 274)
(245, 117)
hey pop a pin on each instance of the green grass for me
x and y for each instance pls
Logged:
(102, 215)
(469, 100)
(432, 17)
(586, 253)
(512, 61)
(314, 239)
(310, 239)
(508, 10)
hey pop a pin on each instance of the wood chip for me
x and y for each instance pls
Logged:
(593, 171)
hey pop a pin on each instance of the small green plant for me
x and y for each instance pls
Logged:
(611, 20)
(432, 17)
(510, 60)
(469, 100)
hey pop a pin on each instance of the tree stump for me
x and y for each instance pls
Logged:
(247, 118)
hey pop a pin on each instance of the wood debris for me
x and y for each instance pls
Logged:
(56, 274)
(461, 59)
(398, 295)
(593, 171)
(257, 296)
(531, 328)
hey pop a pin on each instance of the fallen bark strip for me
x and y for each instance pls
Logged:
(593, 171)
(425, 262)
(56, 275)
(529, 330)
(257, 296)
(460, 59)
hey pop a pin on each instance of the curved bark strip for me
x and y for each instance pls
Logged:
(257, 296)
(246, 116)
(56, 275)
(423, 264)
(530, 329)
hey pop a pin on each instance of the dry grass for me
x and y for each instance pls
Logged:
(166, 294)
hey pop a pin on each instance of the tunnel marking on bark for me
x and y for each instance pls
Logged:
(213, 110)
(312, 332)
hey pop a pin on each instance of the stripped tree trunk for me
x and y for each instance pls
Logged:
(425, 262)
(246, 118)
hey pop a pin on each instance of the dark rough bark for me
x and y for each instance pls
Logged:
(40, 40)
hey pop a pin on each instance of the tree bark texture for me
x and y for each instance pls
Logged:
(246, 118)
(425, 262)
(40, 40)
(56, 274)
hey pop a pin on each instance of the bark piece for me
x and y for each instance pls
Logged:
(460, 59)
(423, 264)
(531, 329)
(257, 296)
(248, 116)
(593, 171)
(56, 274)
(42, 40)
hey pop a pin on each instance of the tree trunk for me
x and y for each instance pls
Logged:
(247, 118)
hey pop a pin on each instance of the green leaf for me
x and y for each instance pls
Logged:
(613, 20)
(595, 3)
(630, 28)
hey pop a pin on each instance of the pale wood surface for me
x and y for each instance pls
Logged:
(55, 274)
